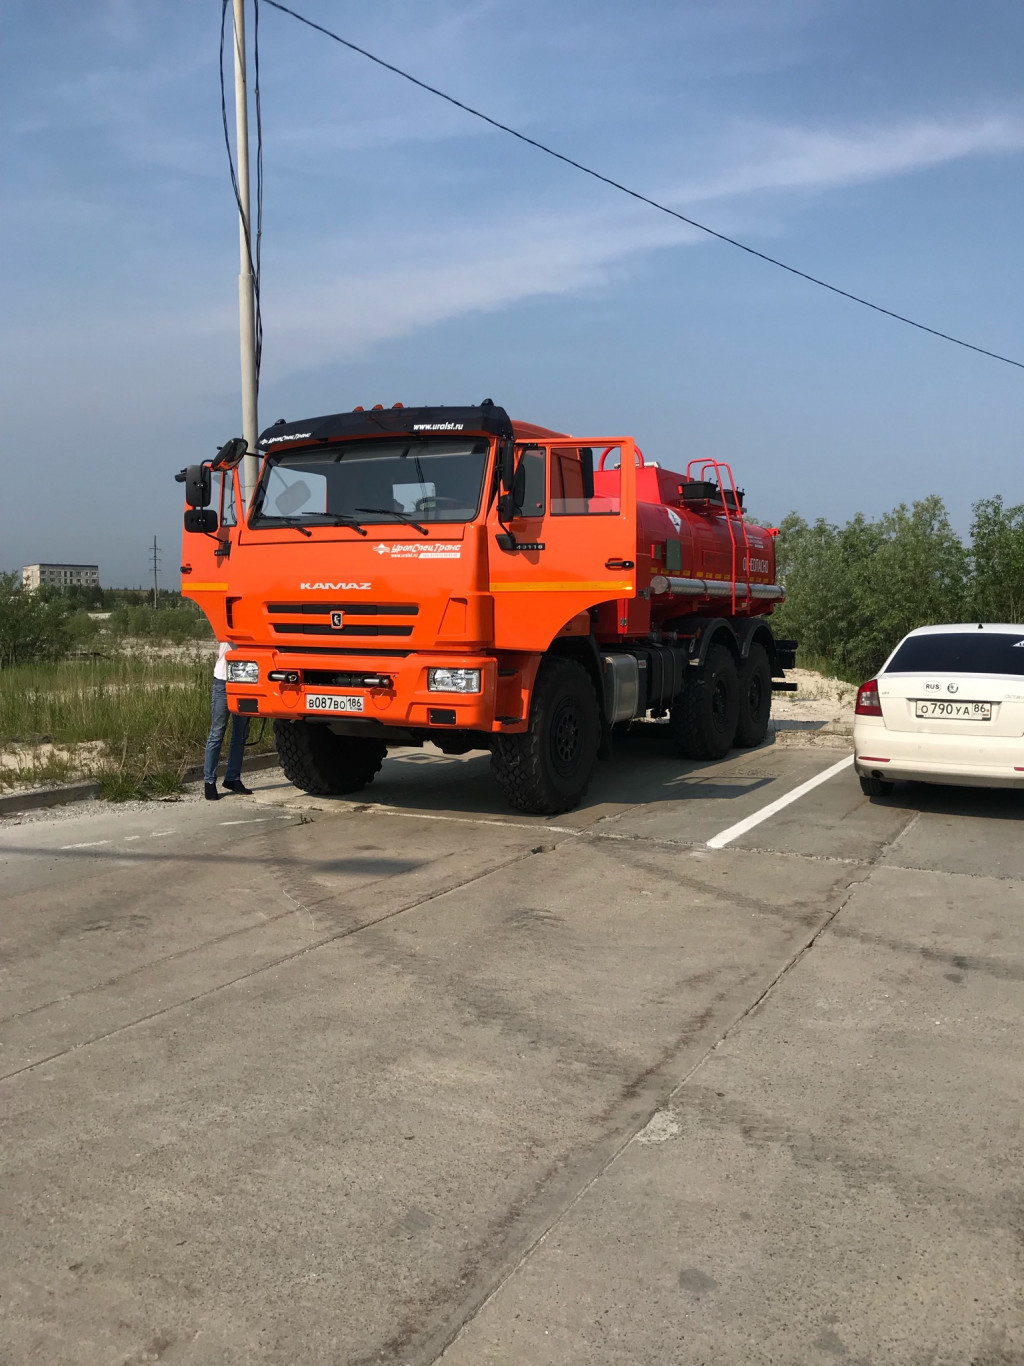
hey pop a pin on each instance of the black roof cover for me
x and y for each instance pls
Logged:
(391, 422)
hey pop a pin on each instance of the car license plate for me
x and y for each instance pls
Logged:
(333, 701)
(954, 711)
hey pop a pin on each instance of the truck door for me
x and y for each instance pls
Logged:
(576, 538)
(204, 566)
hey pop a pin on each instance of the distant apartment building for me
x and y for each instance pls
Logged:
(60, 576)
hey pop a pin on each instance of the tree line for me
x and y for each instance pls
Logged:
(853, 591)
(53, 623)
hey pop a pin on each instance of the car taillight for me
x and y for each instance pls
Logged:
(867, 700)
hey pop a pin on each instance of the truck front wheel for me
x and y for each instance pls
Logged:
(703, 721)
(325, 764)
(548, 768)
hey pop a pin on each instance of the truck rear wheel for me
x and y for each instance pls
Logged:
(548, 768)
(755, 698)
(702, 722)
(325, 764)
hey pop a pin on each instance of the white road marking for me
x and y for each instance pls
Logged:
(254, 820)
(89, 844)
(379, 810)
(741, 827)
(131, 837)
(156, 834)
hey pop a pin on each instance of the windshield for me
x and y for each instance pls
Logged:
(961, 652)
(373, 482)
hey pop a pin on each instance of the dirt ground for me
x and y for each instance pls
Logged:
(818, 715)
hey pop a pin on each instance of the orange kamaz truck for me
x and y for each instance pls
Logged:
(447, 574)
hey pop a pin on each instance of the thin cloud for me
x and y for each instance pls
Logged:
(345, 314)
(811, 159)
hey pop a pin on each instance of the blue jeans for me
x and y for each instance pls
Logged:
(218, 726)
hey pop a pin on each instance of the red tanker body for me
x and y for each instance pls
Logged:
(694, 545)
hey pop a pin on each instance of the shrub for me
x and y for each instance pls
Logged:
(31, 627)
(853, 592)
(997, 555)
(176, 624)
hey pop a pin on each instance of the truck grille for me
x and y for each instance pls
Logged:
(348, 610)
(354, 609)
(302, 628)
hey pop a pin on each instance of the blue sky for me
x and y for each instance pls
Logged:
(412, 253)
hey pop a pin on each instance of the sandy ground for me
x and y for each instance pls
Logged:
(818, 715)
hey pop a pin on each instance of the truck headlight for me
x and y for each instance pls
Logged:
(243, 671)
(453, 680)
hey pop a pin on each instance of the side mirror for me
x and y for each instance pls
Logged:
(507, 462)
(587, 467)
(198, 486)
(510, 504)
(201, 519)
(230, 453)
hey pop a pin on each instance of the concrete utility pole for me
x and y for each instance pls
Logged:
(156, 584)
(246, 283)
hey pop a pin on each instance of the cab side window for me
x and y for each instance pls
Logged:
(568, 485)
(226, 500)
(578, 488)
(533, 463)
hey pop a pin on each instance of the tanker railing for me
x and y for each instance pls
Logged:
(718, 467)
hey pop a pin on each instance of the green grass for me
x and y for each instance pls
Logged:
(151, 715)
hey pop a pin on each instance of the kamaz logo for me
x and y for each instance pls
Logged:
(335, 587)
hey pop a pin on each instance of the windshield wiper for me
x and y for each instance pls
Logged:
(295, 523)
(402, 517)
(318, 519)
(343, 519)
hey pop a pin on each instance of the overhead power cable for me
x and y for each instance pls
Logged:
(635, 194)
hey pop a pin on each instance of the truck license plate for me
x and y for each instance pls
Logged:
(332, 701)
(954, 711)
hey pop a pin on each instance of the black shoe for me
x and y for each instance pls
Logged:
(236, 785)
(210, 792)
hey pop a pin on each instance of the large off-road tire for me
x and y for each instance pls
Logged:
(548, 768)
(325, 764)
(702, 722)
(875, 787)
(755, 698)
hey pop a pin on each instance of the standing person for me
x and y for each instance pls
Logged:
(219, 723)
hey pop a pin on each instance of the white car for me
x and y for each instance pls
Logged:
(947, 706)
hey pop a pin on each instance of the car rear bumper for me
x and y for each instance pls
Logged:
(960, 760)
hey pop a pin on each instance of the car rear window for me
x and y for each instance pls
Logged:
(962, 652)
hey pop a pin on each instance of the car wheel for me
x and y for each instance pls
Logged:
(876, 787)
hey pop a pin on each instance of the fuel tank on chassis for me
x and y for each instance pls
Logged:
(698, 542)
(393, 589)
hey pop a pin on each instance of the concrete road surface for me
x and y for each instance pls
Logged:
(411, 1077)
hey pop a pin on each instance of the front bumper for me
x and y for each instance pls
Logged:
(404, 703)
(959, 760)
